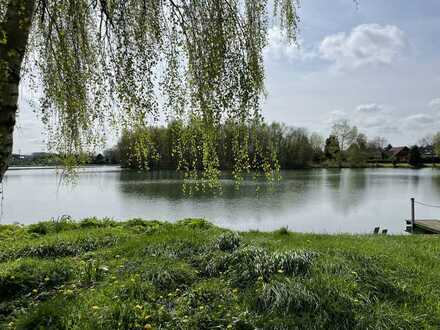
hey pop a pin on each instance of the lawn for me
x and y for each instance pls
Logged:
(101, 274)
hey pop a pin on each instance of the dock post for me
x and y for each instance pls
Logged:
(413, 214)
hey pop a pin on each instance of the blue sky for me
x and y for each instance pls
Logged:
(377, 65)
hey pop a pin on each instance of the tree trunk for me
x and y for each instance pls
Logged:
(14, 34)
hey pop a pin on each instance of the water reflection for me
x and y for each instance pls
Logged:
(331, 201)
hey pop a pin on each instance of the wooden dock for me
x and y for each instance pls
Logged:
(414, 226)
(423, 226)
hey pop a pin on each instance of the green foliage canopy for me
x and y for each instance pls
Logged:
(125, 64)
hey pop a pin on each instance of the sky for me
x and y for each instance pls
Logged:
(376, 64)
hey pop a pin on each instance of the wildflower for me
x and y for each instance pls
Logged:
(34, 291)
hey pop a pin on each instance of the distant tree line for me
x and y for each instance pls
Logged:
(288, 147)
(293, 148)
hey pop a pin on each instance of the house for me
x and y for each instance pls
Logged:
(398, 154)
(428, 154)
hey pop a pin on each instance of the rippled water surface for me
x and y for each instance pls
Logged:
(325, 201)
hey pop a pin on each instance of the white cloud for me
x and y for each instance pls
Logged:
(384, 120)
(419, 120)
(435, 104)
(366, 44)
(370, 108)
(335, 116)
(374, 119)
(279, 47)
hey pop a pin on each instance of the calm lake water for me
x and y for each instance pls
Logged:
(324, 201)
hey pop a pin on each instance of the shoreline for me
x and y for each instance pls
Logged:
(311, 167)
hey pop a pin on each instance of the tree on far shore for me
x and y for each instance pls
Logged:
(415, 157)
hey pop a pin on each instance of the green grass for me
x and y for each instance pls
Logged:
(100, 274)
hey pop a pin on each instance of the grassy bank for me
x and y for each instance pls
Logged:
(193, 275)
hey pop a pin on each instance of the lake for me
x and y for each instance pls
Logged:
(321, 201)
